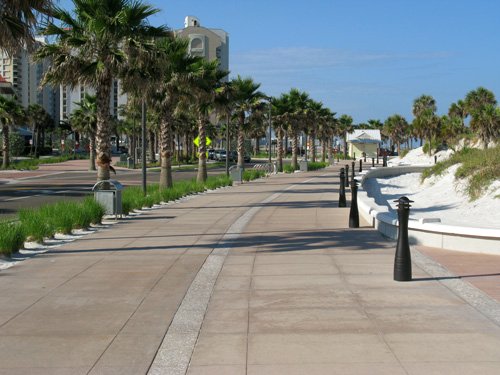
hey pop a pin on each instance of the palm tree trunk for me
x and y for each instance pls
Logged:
(330, 149)
(92, 152)
(313, 147)
(294, 150)
(166, 152)
(323, 150)
(5, 146)
(241, 140)
(152, 153)
(279, 145)
(202, 158)
(257, 146)
(103, 132)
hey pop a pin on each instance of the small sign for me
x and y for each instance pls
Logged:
(196, 141)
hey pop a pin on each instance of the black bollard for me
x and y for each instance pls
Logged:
(377, 159)
(354, 213)
(347, 175)
(342, 201)
(373, 162)
(353, 165)
(360, 166)
(435, 159)
(364, 157)
(402, 260)
(384, 161)
(354, 156)
(338, 158)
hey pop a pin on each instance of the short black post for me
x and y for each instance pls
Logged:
(384, 161)
(435, 159)
(360, 165)
(347, 175)
(377, 158)
(354, 213)
(338, 158)
(402, 260)
(342, 201)
(364, 157)
(354, 156)
(353, 165)
(373, 162)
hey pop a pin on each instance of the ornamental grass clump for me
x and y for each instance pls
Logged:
(253, 174)
(288, 168)
(11, 238)
(313, 166)
(36, 226)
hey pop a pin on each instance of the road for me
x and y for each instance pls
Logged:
(54, 186)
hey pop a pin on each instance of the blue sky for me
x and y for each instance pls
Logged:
(366, 58)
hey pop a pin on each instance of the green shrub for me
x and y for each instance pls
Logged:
(33, 163)
(11, 238)
(253, 174)
(403, 153)
(288, 168)
(90, 212)
(313, 166)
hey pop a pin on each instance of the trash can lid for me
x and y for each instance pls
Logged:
(117, 186)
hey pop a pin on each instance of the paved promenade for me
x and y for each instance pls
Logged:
(259, 279)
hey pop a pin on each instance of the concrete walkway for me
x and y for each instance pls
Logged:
(262, 278)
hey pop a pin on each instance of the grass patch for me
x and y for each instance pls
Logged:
(313, 166)
(11, 237)
(480, 167)
(134, 199)
(32, 164)
(403, 153)
(253, 174)
(288, 168)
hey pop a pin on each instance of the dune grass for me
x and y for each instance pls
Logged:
(480, 168)
(253, 174)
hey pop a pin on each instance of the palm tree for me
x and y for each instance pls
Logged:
(10, 113)
(426, 123)
(93, 49)
(84, 119)
(205, 79)
(396, 128)
(345, 126)
(280, 113)
(246, 98)
(458, 110)
(297, 107)
(481, 105)
(18, 20)
(39, 119)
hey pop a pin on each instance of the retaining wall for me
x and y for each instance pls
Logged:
(427, 231)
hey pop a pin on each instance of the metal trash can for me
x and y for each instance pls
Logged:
(236, 174)
(130, 163)
(303, 165)
(109, 194)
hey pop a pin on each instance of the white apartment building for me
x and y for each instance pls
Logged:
(208, 43)
(25, 76)
(70, 97)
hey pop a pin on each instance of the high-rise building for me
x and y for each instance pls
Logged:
(25, 75)
(70, 97)
(208, 43)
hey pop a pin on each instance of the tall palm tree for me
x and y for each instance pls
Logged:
(280, 112)
(481, 105)
(426, 123)
(84, 120)
(246, 99)
(205, 79)
(396, 128)
(10, 113)
(93, 49)
(18, 20)
(345, 126)
(297, 106)
(39, 119)
(458, 110)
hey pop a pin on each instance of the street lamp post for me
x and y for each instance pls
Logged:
(143, 151)
(270, 139)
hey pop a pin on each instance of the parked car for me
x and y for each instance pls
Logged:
(220, 155)
(211, 154)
